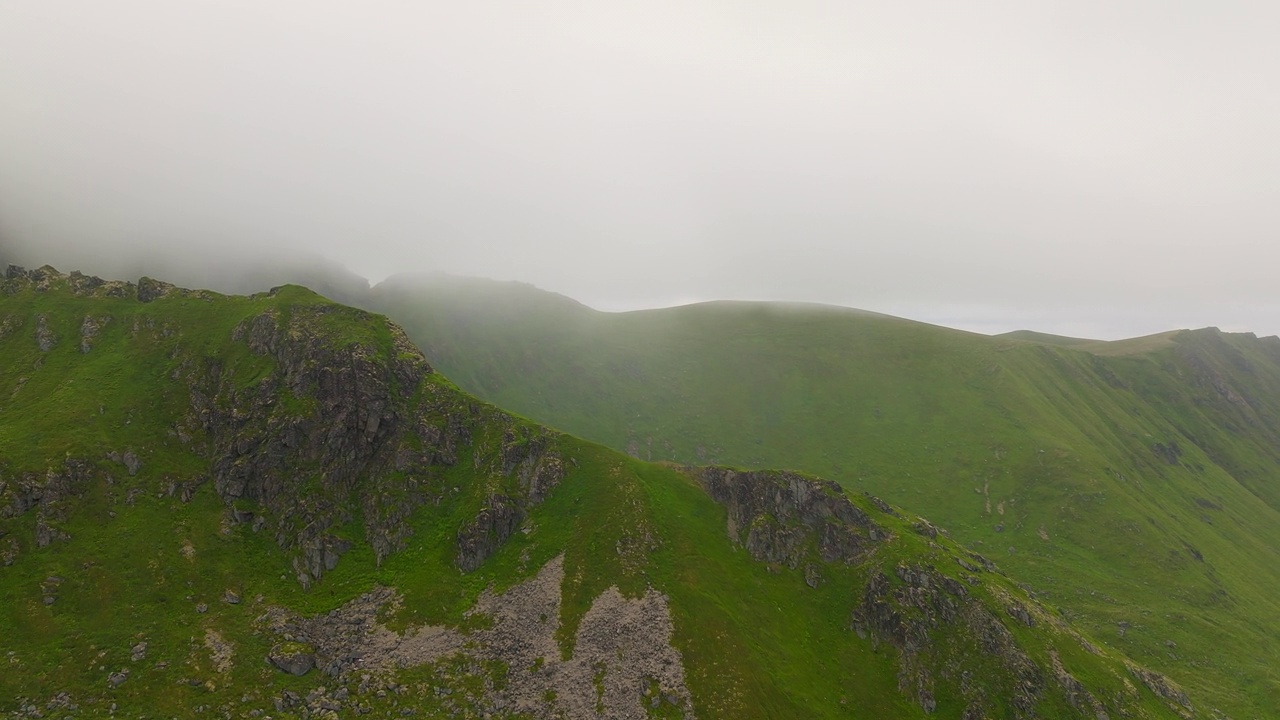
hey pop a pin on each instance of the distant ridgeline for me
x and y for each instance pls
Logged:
(1132, 485)
(273, 505)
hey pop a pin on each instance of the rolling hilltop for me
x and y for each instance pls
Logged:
(1134, 485)
(274, 505)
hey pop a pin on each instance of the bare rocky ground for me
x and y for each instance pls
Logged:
(623, 664)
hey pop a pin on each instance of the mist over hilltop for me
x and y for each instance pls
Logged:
(1081, 169)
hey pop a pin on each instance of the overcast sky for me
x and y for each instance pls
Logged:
(1085, 167)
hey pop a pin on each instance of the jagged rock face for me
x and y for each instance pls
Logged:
(370, 432)
(352, 426)
(916, 608)
(45, 494)
(354, 419)
(481, 537)
(779, 516)
(28, 490)
(537, 468)
(910, 615)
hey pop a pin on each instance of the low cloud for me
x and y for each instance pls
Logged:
(1088, 167)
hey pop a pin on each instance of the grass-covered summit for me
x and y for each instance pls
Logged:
(1134, 485)
(273, 505)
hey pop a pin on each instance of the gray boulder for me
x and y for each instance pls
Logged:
(293, 657)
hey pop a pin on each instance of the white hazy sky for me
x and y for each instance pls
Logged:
(1093, 168)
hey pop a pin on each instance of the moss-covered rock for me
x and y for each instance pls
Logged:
(294, 658)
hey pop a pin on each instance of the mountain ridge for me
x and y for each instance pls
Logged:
(275, 504)
(1102, 473)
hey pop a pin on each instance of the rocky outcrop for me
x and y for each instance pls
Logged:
(337, 425)
(46, 338)
(9, 324)
(46, 278)
(320, 434)
(8, 551)
(490, 528)
(785, 518)
(90, 327)
(528, 457)
(911, 613)
(150, 289)
(82, 284)
(1078, 697)
(129, 459)
(1164, 688)
(47, 494)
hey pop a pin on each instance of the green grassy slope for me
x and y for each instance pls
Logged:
(126, 425)
(1131, 484)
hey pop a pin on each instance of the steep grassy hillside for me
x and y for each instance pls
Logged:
(273, 505)
(1134, 485)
